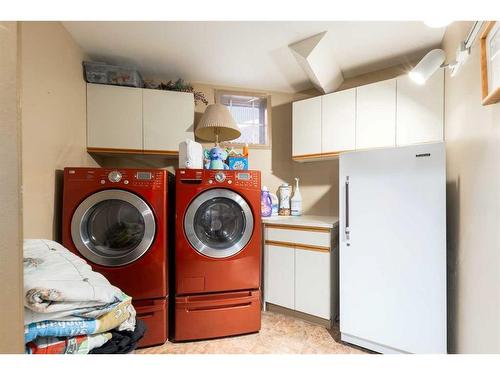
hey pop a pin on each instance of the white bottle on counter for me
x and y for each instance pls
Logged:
(296, 201)
(284, 206)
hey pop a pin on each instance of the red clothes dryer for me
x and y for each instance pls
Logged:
(217, 253)
(117, 220)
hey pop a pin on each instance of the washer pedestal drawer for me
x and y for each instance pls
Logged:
(154, 313)
(216, 315)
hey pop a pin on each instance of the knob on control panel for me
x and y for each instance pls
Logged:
(220, 177)
(114, 176)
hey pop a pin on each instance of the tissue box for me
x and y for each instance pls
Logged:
(237, 162)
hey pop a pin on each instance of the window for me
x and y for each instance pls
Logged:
(251, 111)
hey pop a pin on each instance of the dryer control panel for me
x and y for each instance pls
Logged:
(247, 179)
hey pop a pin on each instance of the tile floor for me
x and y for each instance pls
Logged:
(279, 334)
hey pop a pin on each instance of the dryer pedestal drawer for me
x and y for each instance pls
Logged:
(216, 315)
(154, 313)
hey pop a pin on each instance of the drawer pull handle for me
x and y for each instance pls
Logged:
(223, 307)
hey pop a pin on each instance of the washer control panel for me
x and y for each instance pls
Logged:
(114, 176)
(147, 178)
(220, 177)
(247, 179)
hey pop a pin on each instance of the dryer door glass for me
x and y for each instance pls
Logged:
(113, 227)
(218, 223)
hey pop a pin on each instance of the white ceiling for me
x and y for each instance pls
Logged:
(250, 54)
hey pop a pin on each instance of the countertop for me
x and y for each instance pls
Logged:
(304, 220)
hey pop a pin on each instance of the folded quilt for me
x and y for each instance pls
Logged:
(69, 345)
(58, 284)
(120, 315)
(68, 306)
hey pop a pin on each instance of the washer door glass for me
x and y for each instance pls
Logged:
(218, 223)
(113, 227)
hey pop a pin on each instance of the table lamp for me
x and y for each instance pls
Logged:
(217, 125)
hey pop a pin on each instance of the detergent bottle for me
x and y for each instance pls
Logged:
(266, 205)
(296, 201)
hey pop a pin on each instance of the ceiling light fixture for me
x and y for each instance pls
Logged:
(437, 23)
(427, 66)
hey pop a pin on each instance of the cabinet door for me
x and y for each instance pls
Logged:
(114, 117)
(338, 121)
(168, 119)
(312, 282)
(420, 110)
(279, 275)
(376, 115)
(306, 127)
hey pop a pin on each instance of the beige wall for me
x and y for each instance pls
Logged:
(11, 271)
(473, 200)
(53, 100)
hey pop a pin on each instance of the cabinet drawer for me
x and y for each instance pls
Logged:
(293, 235)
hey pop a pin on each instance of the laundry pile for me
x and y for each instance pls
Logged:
(71, 309)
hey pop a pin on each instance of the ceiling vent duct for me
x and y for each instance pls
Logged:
(316, 56)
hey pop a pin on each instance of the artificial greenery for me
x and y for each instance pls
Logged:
(179, 85)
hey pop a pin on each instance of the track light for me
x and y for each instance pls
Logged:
(427, 66)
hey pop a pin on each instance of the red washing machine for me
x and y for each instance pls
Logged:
(117, 220)
(217, 253)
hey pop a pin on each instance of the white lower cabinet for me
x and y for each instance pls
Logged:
(312, 282)
(281, 260)
(299, 274)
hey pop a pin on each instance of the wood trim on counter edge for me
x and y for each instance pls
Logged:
(305, 228)
(316, 156)
(321, 249)
(131, 151)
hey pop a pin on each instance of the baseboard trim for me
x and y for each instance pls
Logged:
(297, 314)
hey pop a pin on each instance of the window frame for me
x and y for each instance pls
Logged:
(268, 145)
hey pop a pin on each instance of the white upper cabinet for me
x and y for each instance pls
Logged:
(126, 119)
(376, 115)
(168, 119)
(338, 121)
(420, 110)
(306, 127)
(114, 117)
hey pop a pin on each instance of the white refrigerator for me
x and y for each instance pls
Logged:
(393, 249)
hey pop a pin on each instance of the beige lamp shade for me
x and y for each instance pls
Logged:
(217, 124)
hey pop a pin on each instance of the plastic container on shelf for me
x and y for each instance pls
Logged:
(99, 72)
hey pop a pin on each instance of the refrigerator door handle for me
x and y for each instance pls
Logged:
(347, 229)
